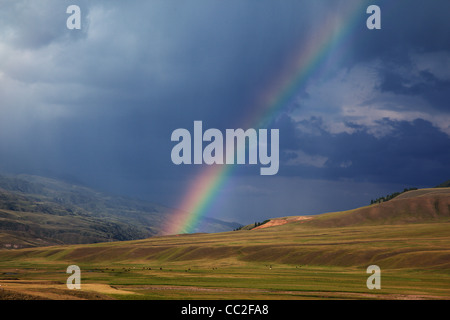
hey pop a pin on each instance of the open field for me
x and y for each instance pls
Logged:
(291, 261)
(322, 257)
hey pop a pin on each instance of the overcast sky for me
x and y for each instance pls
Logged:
(97, 106)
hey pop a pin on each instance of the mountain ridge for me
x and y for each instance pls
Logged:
(36, 211)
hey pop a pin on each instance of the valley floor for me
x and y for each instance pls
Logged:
(226, 282)
(292, 261)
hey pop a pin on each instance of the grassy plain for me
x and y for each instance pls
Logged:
(297, 260)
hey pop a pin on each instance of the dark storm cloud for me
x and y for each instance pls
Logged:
(413, 152)
(406, 26)
(427, 86)
(100, 104)
(106, 102)
(409, 29)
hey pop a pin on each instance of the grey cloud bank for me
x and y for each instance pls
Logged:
(98, 105)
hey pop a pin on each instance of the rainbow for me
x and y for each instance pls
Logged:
(306, 62)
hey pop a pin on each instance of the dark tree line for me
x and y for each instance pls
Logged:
(256, 224)
(390, 196)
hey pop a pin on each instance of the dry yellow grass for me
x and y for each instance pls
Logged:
(322, 257)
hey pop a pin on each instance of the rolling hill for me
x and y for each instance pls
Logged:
(38, 211)
(313, 257)
(417, 214)
(417, 206)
